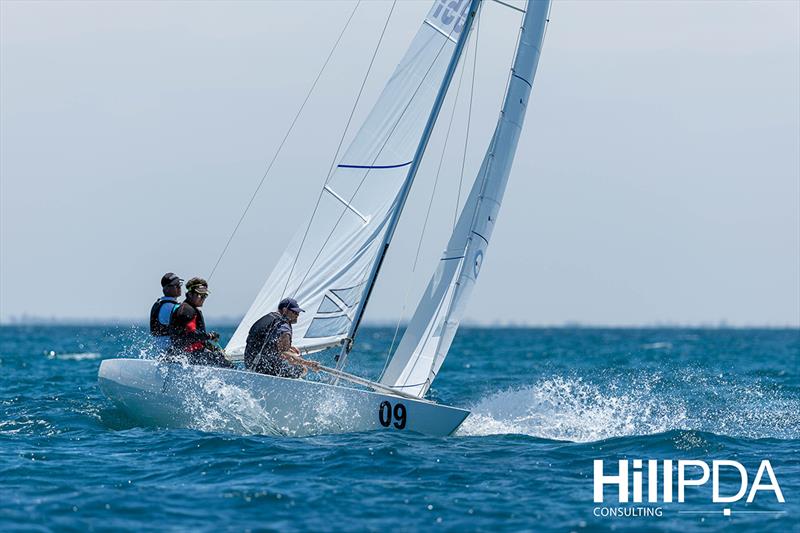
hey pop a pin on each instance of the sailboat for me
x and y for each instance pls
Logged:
(332, 265)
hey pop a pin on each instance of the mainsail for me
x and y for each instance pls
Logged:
(332, 261)
(430, 332)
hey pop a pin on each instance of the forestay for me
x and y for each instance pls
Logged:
(430, 332)
(328, 262)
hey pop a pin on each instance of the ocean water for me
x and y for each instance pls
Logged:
(545, 404)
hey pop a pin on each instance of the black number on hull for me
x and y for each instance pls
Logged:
(400, 416)
(385, 413)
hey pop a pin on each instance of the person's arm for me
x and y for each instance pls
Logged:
(292, 354)
(285, 343)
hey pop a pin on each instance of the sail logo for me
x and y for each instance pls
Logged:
(629, 480)
(476, 267)
(452, 14)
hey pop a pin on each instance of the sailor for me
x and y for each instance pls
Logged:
(269, 347)
(187, 329)
(162, 310)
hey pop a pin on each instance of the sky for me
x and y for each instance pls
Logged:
(657, 180)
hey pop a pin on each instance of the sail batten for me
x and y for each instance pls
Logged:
(429, 334)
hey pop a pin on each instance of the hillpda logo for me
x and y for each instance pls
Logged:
(633, 481)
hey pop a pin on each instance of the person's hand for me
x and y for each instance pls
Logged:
(313, 365)
(292, 358)
(295, 349)
(213, 336)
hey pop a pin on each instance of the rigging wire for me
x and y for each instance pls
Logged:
(380, 151)
(427, 216)
(285, 137)
(375, 159)
(460, 180)
(433, 374)
(338, 148)
(469, 121)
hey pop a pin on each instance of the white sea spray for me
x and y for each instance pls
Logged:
(597, 407)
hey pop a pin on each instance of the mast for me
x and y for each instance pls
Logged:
(412, 172)
(430, 332)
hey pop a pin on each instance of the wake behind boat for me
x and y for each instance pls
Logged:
(334, 261)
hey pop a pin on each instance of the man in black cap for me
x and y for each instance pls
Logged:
(161, 312)
(187, 329)
(269, 347)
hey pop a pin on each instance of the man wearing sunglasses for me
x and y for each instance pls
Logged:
(188, 329)
(269, 344)
(162, 310)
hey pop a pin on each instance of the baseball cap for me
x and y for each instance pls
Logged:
(291, 304)
(170, 279)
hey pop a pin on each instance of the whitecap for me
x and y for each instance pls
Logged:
(82, 356)
(657, 346)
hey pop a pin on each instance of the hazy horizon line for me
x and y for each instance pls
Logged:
(229, 321)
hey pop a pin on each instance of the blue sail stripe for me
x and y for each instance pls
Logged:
(375, 166)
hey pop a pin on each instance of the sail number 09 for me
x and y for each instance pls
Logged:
(386, 414)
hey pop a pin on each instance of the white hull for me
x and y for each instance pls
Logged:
(218, 399)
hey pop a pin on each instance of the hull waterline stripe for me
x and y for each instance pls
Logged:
(375, 166)
(451, 258)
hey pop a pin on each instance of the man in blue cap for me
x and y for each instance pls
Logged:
(269, 347)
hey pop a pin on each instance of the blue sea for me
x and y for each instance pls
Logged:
(545, 404)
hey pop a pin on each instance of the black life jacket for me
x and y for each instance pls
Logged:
(262, 341)
(157, 329)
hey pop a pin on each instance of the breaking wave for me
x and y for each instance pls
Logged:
(585, 410)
